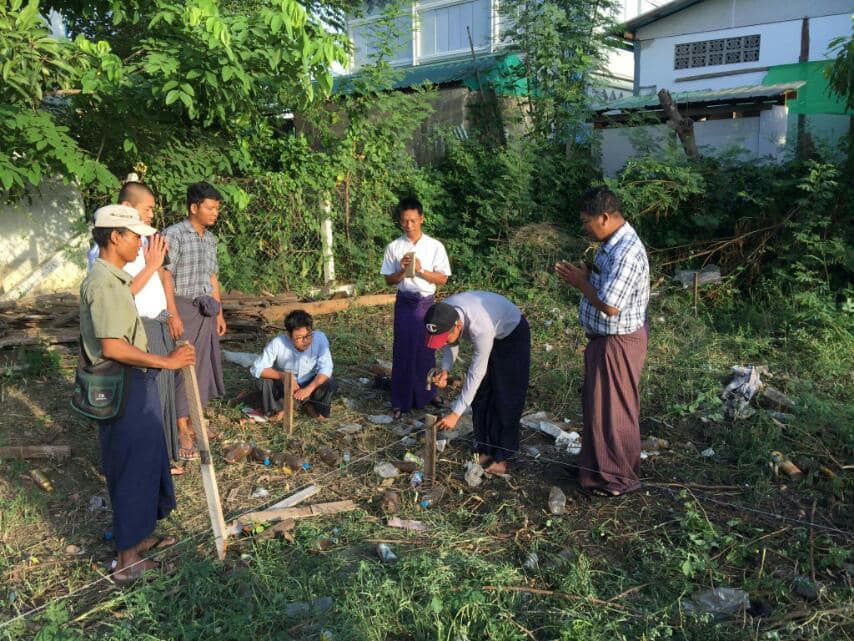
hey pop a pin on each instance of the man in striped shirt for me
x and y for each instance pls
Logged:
(615, 295)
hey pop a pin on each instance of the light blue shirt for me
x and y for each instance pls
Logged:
(281, 355)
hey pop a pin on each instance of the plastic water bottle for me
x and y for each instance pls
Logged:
(346, 457)
(433, 497)
(416, 479)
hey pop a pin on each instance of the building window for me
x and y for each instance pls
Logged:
(724, 51)
(443, 27)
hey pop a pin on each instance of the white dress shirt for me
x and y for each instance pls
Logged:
(486, 317)
(151, 299)
(428, 250)
(281, 355)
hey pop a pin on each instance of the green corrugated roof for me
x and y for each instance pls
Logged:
(704, 96)
(498, 69)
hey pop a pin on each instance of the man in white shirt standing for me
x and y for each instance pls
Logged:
(304, 353)
(416, 264)
(497, 379)
(151, 303)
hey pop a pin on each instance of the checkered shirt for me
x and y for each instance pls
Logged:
(622, 282)
(192, 259)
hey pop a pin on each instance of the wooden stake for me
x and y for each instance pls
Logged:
(429, 451)
(197, 417)
(696, 290)
(288, 416)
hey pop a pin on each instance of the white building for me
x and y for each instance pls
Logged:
(436, 31)
(741, 69)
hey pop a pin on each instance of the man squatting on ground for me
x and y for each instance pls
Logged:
(149, 297)
(304, 353)
(411, 358)
(197, 316)
(133, 449)
(497, 379)
(613, 314)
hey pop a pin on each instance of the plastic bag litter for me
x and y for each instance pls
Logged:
(557, 500)
(474, 474)
(385, 554)
(386, 470)
(315, 607)
(720, 602)
(244, 359)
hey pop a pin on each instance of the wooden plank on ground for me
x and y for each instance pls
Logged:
(296, 498)
(197, 417)
(295, 513)
(274, 314)
(35, 451)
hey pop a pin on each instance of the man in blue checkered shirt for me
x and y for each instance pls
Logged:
(615, 294)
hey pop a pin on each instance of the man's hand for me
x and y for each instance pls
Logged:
(176, 326)
(303, 393)
(417, 265)
(575, 275)
(447, 422)
(181, 356)
(440, 380)
(155, 252)
(221, 327)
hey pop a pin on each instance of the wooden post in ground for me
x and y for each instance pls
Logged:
(696, 290)
(288, 403)
(197, 418)
(429, 452)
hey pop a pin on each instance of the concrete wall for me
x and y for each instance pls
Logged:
(763, 138)
(41, 248)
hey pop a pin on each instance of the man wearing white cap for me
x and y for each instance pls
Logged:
(133, 450)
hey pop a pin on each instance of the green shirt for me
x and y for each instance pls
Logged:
(107, 310)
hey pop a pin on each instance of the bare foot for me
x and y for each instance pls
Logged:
(498, 468)
(278, 416)
(484, 459)
(123, 575)
(176, 470)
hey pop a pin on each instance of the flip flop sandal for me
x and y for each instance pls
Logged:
(188, 453)
(131, 574)
(156, 543)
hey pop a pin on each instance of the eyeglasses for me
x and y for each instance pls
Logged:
(305, 338)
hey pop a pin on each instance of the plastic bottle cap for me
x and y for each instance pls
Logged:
(306, 466)
(266, 461)
(108, 535)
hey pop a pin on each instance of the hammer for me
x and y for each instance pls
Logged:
(434, 371)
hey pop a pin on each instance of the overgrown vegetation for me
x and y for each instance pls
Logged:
(504, 206)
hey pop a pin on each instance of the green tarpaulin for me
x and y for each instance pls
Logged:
(814, 97)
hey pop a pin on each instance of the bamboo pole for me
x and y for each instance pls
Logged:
(197, 417)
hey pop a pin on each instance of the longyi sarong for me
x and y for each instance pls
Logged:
(134, 460)
(610, 444)
(170, 383)
(200, 330)
(500, 399)
(411, 358)
(273, 391)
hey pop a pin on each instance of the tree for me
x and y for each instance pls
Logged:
(189, 89)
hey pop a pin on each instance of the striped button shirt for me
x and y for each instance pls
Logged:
(622, 282)
(192, 259)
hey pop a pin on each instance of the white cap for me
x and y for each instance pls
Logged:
(122, 216)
